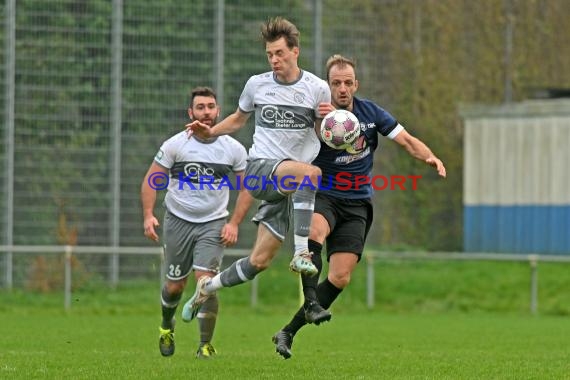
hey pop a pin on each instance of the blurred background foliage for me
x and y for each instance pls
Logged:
(418, 59)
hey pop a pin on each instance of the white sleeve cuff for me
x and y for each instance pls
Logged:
(399, 128)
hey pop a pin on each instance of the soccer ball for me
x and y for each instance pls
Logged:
(339, 129)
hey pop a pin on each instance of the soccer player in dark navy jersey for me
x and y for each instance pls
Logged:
(340, 167)
(343, 208)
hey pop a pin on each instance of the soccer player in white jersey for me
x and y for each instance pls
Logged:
(285, 101)
(195, 222)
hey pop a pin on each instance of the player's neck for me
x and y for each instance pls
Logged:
(208, 140)
(293, 76)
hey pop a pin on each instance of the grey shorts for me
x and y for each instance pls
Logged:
(190, 246)
(274, 211)
(259, 179)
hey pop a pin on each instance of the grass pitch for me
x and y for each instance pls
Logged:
(363, 345)
(432, 321)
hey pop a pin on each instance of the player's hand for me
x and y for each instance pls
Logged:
(199, 129)
(150, 224)
(229, 234)
(437, 164)
(324, 109)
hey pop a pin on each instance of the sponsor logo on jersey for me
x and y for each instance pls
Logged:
(197, 170)
(347, 159)
(366, 126)
(281, 118)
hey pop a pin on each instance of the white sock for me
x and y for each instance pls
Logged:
(301, 244)
(213, 284)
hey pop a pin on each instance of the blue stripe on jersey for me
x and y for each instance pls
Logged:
(373, 120)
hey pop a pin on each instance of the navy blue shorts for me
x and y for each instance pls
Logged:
(349, 221)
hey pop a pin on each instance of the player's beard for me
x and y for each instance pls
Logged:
(343, 102)
(343, 105)
(210, 122)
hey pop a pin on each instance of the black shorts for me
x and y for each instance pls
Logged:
(349, 221)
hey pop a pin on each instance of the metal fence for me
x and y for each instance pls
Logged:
(52, 268)
(57, 268)
(532, 259)
(90, 89)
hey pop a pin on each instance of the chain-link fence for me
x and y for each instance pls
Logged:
(92, 88)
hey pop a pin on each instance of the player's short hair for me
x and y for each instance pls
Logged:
(341, 62)
(275, 28)
(202, 91)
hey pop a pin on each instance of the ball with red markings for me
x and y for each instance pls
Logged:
(339, 129)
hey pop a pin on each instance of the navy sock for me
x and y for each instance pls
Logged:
(310, 282)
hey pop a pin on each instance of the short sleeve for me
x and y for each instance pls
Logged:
(166, 154)
(386, 123)
(240, 158)
(323, 95)
(246, 103)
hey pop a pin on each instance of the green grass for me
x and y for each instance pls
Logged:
(368, 345)
(400, 286)
(444, 320)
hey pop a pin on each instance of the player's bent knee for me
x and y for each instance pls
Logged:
(261, 265)
(314, 173)
(261, 262)
(175, 287)
(340, 280)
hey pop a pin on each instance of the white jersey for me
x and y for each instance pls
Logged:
(285, 115)
(198, 190)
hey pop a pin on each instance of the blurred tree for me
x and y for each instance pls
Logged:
(418, 59)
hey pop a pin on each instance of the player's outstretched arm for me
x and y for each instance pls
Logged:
(229, 125)
(417, 149)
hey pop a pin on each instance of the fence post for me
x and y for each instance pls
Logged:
(219, 33)
(533, 260)
(369, 281)
(116, 135)
(67, 280)
(254, 286)
(318, 37)
(9, 112)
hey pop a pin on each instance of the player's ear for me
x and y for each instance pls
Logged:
(190, 114)
(355, 84)
(296, 51)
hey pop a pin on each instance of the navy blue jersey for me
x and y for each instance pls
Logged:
(343, 172)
